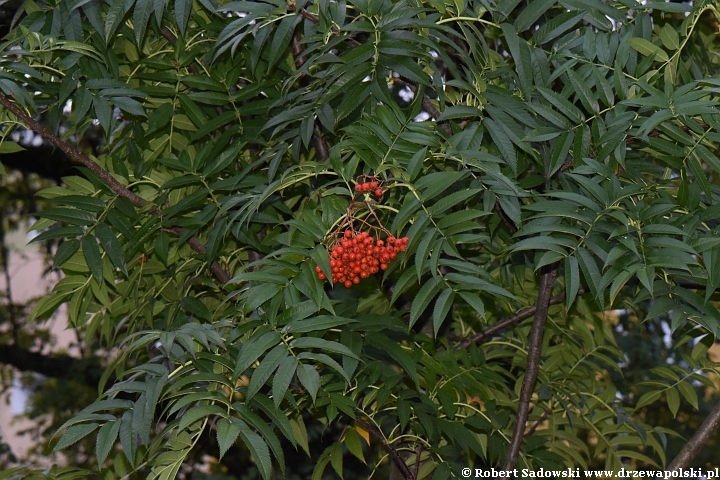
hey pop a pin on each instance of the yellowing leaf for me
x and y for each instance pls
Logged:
(363, 432)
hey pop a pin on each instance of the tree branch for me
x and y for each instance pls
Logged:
(506, 322)
(394, 454)
(697, 441)
(533, 363)
(540, 420)
(71, 152)
(87, 371)
(103, 174)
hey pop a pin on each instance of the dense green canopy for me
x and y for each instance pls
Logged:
(553, 165)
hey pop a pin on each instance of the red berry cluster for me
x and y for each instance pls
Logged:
(369, 186)
(358, 255)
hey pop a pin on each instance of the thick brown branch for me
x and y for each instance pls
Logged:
(394, 454)
(103, 174)
(71, 152)
(536, 336)
(697, 441)
(87, 371)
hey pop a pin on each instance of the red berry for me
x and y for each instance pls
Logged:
(348, 233)
(373, 185)
(348, 283)
(321, 276)
(318, 269)
(383, 266)
(378, 192)
(356, 280)
(405, 240)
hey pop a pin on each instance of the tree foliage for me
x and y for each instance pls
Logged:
(555, 159)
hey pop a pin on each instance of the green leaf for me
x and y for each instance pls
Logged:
(281, 38)
(92, 255)
(252, 349)
(112, 246)
(673, 401)
(423, 298)
(572, 280)
(322, 344)
(310, 378)
(71, 216)
(75, 434)
(66, 250)
(10, 147)
(197, 308)
(669, 37)
(183, 8)
(267, 366)
(353, 444)
(258, 448)
(106, 440)
(316, 324)
(197, 413)
(227, 433)
(442, 307)
(396, 352)
(474, 301)
(647, 49)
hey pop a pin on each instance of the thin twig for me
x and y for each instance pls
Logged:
(697, 441)
(394, 454)
(540, 420)
(418, 451)
(105, 176)
(535, 348)
(506, 322)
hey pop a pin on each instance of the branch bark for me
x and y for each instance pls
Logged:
(220, 273)
(87, 371)
(697, 441)
(536, 336)
(71, 152)
(394, 454)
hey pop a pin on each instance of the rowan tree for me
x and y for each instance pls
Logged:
(552, 164)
